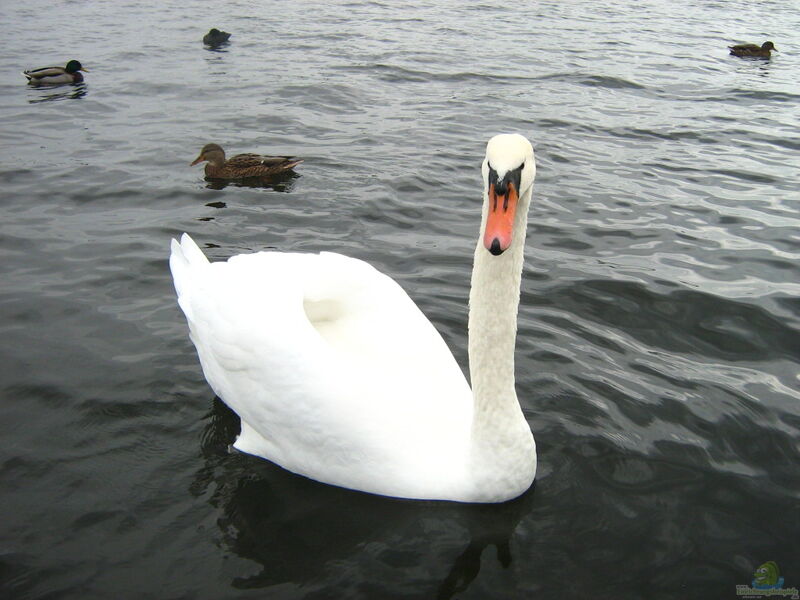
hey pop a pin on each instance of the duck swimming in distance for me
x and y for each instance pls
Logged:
(751, 50)
(337, 375)
(215, 37)
(71, 73)
(242, 166)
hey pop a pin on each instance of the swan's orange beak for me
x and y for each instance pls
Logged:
(500, 222)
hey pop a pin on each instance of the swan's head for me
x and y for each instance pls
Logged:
(508, 173)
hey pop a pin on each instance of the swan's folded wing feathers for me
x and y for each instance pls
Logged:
(252, 310)
(378, 329)
(187, 264)
(371, 365)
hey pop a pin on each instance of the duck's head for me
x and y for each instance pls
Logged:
(768, 46)
(74, 66)
(508, 173)
(213, 153)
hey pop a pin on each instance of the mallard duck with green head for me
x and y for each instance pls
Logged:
(242, 166)
(752, 50)
(215, 37)
(71, 73)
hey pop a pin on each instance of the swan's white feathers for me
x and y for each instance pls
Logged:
(305, 346)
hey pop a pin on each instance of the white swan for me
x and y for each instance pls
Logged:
(338, 376)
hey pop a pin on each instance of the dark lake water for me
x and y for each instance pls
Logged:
(657, 358)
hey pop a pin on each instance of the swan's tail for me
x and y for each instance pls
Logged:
(185, 258)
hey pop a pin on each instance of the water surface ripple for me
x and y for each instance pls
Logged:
(657, 358)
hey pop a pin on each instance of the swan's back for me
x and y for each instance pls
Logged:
(333, 369)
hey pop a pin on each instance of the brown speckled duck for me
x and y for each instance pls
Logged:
(748, 50)
(242, 166)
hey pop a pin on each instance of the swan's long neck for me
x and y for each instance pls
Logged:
(498, 425)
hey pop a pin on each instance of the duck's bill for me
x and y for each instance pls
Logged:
(500, 221)
(84, 69)
(196, 160)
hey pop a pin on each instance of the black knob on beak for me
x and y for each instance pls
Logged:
(495, 247)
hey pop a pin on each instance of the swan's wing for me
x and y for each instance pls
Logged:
(367, 319)
(304, 304)
(325, 359)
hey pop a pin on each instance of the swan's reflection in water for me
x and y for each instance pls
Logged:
(303, 532)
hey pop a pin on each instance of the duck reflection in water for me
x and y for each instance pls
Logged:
(321, 536)
(71, 92)
(282, 182)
